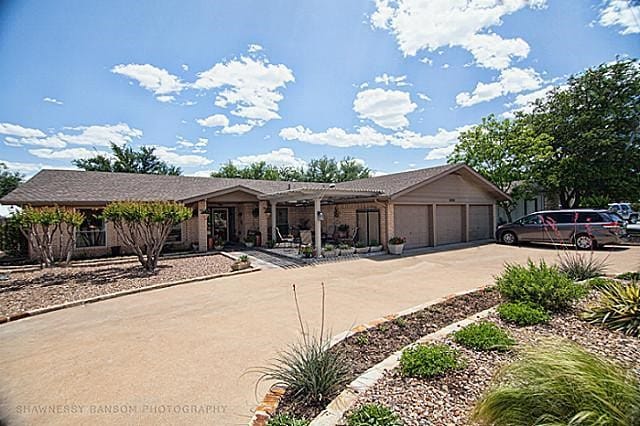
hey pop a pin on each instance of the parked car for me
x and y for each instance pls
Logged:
(586, 228)
(625, 211)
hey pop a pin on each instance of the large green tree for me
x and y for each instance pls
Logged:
(125, 159)
(511, 154)
(594, 122)
(9, 180)
(318, 170)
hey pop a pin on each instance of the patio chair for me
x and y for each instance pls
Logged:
(288, 240)
(354, 236)
(306, 238)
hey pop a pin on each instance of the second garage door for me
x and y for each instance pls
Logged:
(413, 222)
(449, 224)
(480, 222)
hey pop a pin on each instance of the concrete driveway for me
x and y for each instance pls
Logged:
(180, 355)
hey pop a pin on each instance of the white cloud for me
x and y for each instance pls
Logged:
(386, 108)
(283, 157)
(428, 25)
(156, 80)
(249, 86)
(365, 136)
(66, 154)
(19, 131)
(440, 153)
(165, 98)
(237, 129)
(28, 169)
(621, 13)
(254, 48)
(201, 173)
(386, 79)
(52, 100)
(170, 156)
(424, 97)
(202, 142)
(511, 80)
(216, 120)
(184, 67)
(426, 60)
(96, 135)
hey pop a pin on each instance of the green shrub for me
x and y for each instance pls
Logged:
(484, 336)
(579, 266)
(559, 383)
(429, 360)
(523, 314)
(629, 276)
(599, 282)
(618, 308)
(287, 420)
(373, 415)
(541, 284)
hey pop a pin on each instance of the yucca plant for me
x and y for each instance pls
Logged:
(373, 415)
(560, 383)
(579, 266)
(312, 372)
(618, 308)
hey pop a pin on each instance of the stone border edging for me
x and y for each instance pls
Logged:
(71, 304)
(269, 404)
(336, 409)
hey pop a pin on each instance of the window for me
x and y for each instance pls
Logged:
(175, 235)
(368, 226)
(92, 232)
(592, 217)
(559, 218)
(533, 219)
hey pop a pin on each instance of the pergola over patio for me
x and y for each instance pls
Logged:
(327, 193)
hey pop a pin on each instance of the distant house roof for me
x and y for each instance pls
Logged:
(69, 187)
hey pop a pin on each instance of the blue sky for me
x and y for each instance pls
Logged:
(388, 82)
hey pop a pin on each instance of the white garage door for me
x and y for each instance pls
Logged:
(480, 222)
(412, 222)
(449, 224)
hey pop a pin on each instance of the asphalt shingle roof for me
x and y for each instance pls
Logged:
(77, 187)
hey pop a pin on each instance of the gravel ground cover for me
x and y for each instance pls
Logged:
(448, 400)
(38, 289)
(364, 350)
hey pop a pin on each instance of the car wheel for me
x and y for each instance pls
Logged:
(508, 238)
(585, 242)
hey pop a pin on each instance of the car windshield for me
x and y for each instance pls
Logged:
(615, 217)
(624, 207)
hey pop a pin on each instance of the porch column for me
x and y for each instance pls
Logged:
(263, 223)
(274, 234)
(202, 225)
(317, 210)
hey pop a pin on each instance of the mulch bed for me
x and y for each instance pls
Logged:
(25, 291)
(366, 349)
(450, 399)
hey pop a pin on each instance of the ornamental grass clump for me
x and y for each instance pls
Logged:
(522, 314)
(559, 383)
(287, 420)
(484, 336)
(540, 284)
(579, 267)
(429, 360)
(312, 372)
(373, 415)
(618, 308)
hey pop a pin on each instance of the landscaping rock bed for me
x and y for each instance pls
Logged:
(365, 349)
(450, 399)
(25, 291)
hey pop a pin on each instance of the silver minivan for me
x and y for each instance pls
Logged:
(586, 228)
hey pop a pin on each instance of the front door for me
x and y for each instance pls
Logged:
(219, 222)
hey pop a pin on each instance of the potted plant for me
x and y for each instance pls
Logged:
(249, 240)
(346, 249)
(329, 251)
(361, 247)
(218, 244)
(396, 245)
(306, 251)
(242, 262)
(374, 246)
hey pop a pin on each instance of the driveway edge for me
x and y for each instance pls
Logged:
(265, 410)
(40, 311)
